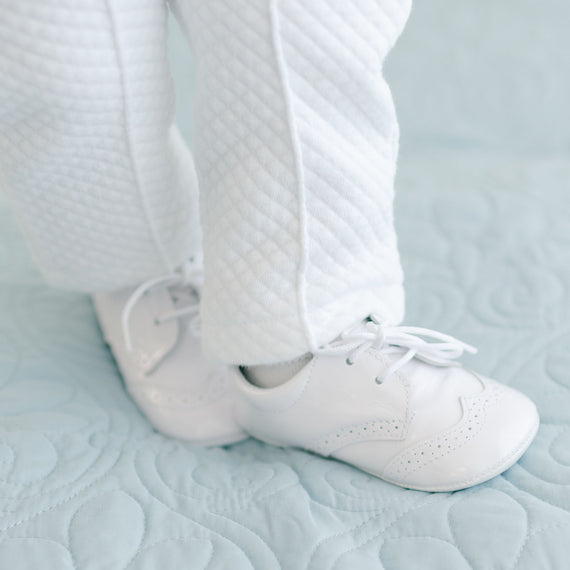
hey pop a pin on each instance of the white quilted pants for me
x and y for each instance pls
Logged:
(103, 186)
(296, 146)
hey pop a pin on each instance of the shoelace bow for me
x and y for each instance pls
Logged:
(185, 277)
(394, 340)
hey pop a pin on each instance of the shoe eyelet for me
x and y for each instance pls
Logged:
(379, 380)
(349, 362)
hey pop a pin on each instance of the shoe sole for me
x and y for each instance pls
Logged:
(213, 442)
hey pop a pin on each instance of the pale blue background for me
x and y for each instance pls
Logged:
(482, 214)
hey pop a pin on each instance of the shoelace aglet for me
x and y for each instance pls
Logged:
(191, 310)
(126, 333)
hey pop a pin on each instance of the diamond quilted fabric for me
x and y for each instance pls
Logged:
(103, 185)
(482, 216)
(296, 144)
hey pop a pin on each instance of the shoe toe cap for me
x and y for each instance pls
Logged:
(202, 418)
(482, 447)
(497, 428)
(202, 425)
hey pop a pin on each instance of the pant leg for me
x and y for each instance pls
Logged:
(103, 186)
(296, 149)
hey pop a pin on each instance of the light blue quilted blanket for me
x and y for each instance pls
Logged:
(483, 219)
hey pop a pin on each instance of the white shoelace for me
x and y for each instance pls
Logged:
(184, 278)
(395, 340)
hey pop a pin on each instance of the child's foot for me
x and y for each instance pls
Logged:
(386, 401)
(154, 335)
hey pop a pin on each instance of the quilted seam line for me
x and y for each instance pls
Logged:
(375, 533)
(297, 154)
(161, 250)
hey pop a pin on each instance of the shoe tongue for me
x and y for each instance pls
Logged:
(184, 295)
(272, 375)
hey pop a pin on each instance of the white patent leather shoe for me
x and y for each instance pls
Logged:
(153, 332)
(388, 402)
